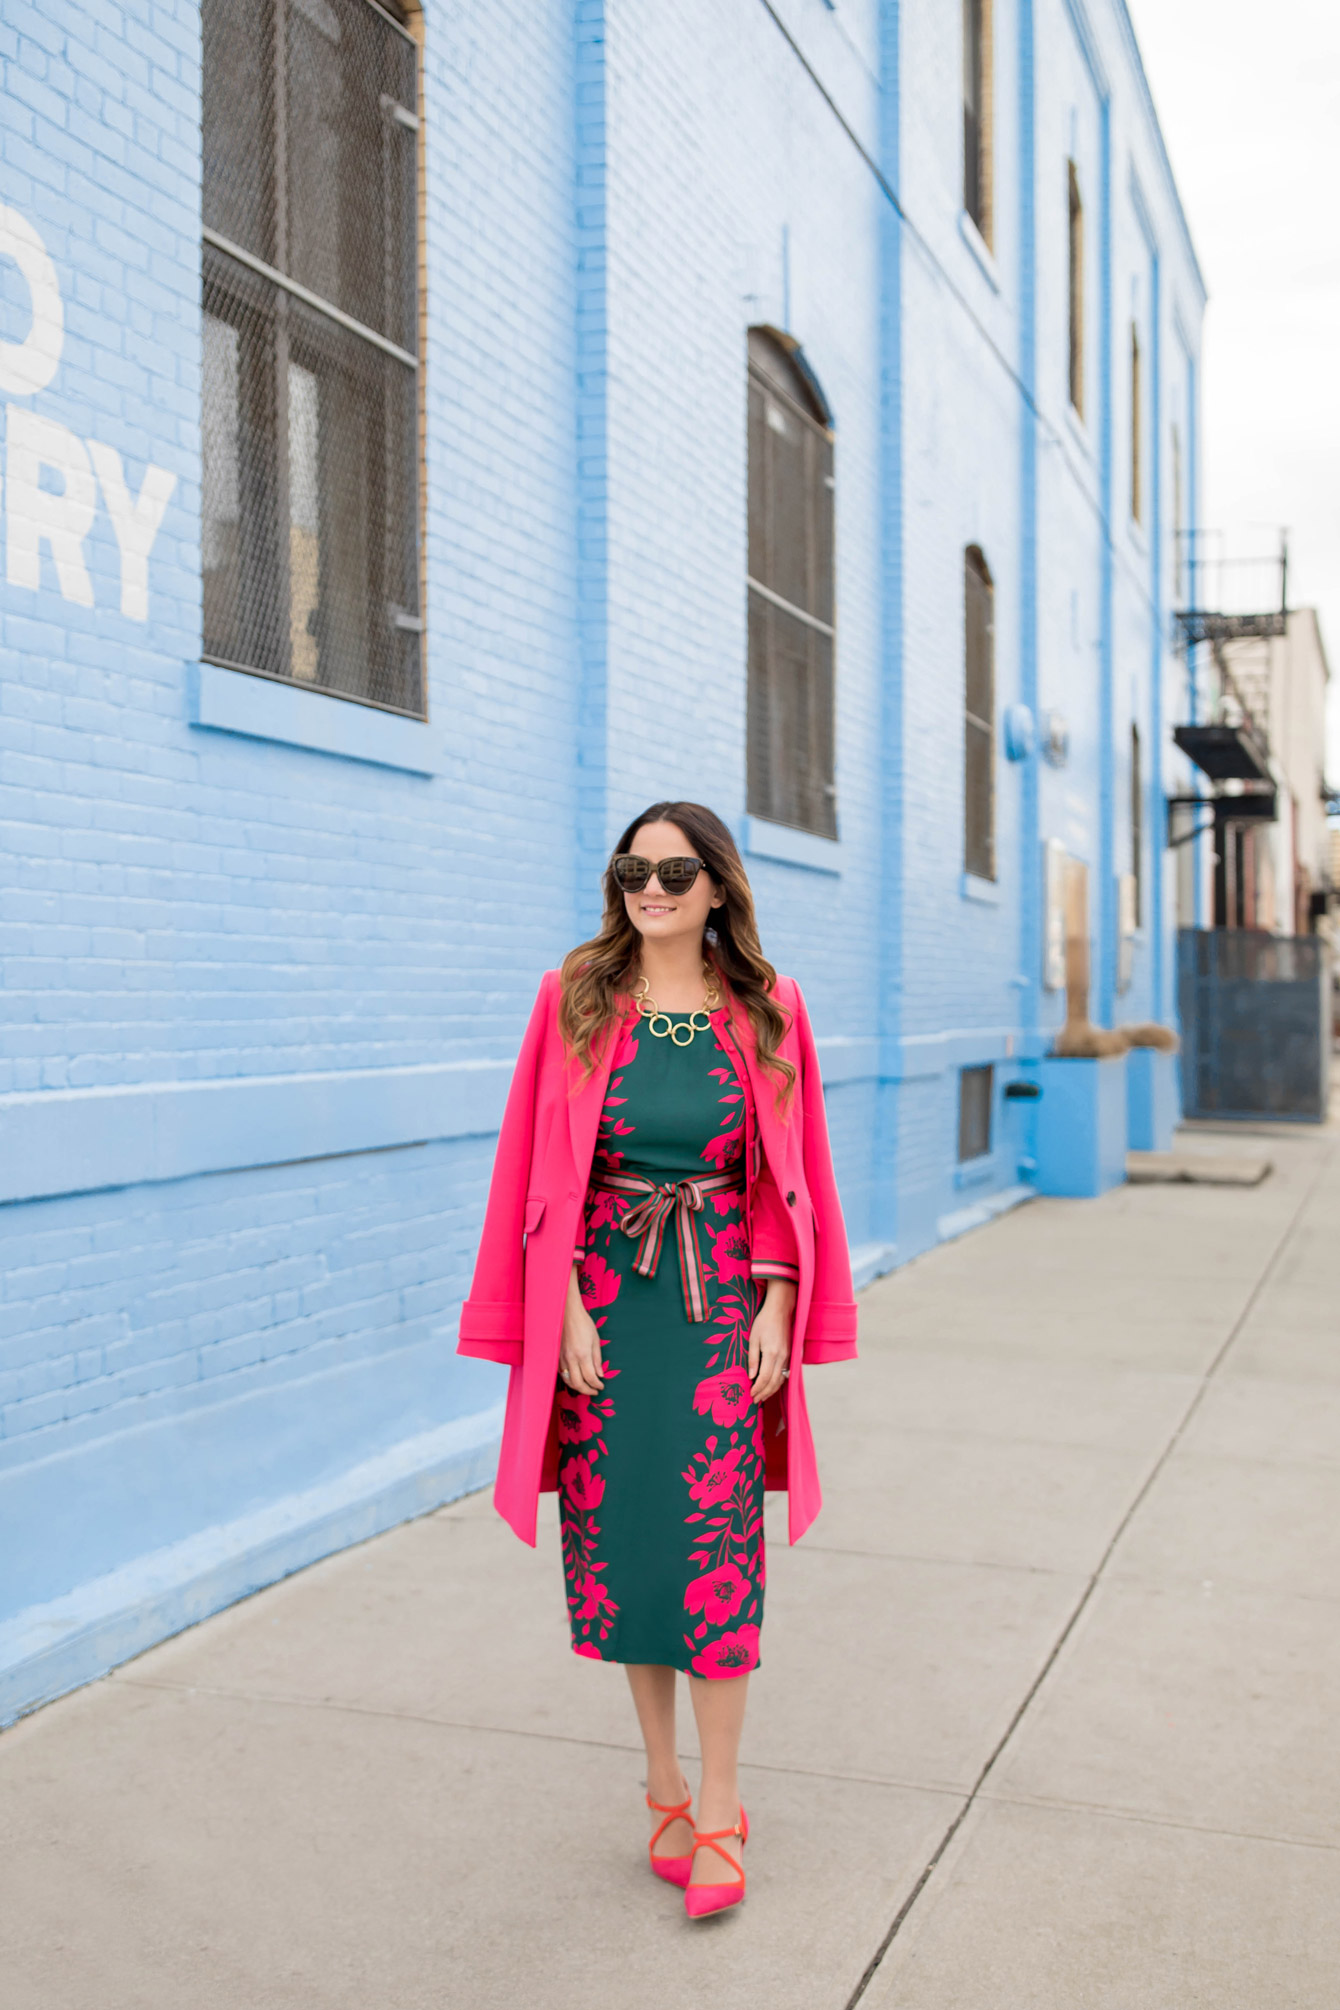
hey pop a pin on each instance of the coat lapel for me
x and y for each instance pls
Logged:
(765, 1091)
(585, 1105)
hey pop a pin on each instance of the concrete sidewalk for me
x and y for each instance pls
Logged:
(1047, 1716)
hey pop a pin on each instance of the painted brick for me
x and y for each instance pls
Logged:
(609, 191)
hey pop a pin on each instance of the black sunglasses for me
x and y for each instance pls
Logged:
(676, 875)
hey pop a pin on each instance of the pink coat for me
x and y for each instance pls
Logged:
(532, 1226)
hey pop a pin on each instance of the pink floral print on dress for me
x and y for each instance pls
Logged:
(718, 1594)
(727, 1395)
(730, 1654)
(613, 1587)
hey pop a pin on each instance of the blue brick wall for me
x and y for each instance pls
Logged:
(179, 1354)
(199, 1321)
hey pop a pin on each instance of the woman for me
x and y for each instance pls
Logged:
(662, 1219)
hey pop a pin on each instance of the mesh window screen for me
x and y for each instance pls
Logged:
(979, 718)
(790, 692)
(973, 177)
(310, 394)
(1076, 285)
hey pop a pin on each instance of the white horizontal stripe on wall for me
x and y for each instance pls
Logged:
(55, 1141)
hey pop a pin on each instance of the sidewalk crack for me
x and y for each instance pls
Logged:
(1272, 1262)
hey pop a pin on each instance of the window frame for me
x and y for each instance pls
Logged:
(1178, 538)
(978, 1074)
(979, 830)
(300, 330)
(976, 92)
(782, 785)
(1137, 824)
(1075, 301)
(1137, 425)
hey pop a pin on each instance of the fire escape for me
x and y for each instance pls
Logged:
(1233, 604)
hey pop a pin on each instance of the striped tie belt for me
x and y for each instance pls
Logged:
(646, 1220)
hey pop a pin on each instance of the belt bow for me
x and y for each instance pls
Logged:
(645, 1221)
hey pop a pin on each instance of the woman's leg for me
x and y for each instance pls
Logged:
(719, 1709)
(653, 1690)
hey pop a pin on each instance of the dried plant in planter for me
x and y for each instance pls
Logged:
(1080, 1040)
(1149, 1034)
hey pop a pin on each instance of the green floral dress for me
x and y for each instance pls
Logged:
(661, 1476)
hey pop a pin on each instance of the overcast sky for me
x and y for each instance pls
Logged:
(1248, 95)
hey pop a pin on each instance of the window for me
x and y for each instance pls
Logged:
(977, 113)
(310, 392)
(979, 717)
(1137, 500)
(974, 1112)
(1076, 289)
(790, 691)
(1137, 828)
(1179, 554)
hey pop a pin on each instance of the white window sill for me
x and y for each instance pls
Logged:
(762, 839)
(261, 708)
(981, 251)
(987, 891)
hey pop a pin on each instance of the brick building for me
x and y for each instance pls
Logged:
(429, 437)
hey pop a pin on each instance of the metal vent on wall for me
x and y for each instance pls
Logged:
(310, 392)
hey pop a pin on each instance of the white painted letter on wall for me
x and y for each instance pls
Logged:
(135, 523)
(34, 515)
(30, 365)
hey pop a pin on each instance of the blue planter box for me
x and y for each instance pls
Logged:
(1153, 1102)
(1081, 1126)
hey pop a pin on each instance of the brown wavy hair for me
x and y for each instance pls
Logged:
(598, 975)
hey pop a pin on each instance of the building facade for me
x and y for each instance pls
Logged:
(430, 437)
(1277, 875)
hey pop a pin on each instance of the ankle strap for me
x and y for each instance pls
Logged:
(680, 1807)
(712, 1839)
(680, 1812)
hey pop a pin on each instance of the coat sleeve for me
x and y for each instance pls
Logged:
(772, 1240)
(830, 1330)
(492, 1317)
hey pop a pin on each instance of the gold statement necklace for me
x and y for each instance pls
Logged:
(663, 1026)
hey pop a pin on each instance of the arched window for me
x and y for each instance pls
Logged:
(979, 717)
(790, 696)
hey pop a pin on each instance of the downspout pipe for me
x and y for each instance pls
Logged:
(884, 1222)
(1031, 891)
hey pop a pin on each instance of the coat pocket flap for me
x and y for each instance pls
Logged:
(534, 1212)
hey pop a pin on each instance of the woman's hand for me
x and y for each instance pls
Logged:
(770, 1338)
(579, 1359)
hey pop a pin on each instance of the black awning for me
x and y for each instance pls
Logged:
(1258, 808)
(1224, 753)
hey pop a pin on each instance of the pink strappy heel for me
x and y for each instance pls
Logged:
(702, 1899)
(674, 1869)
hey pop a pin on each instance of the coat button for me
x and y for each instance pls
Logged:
(790, 1200)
